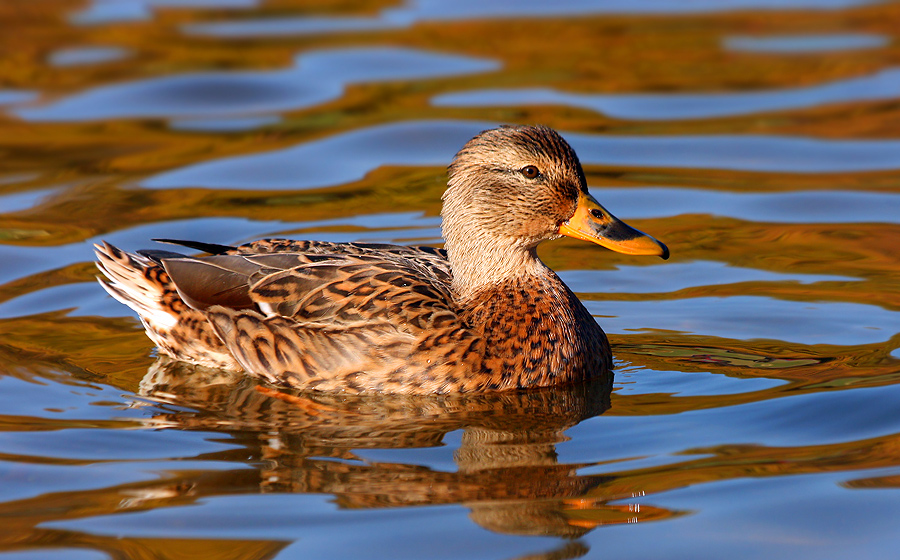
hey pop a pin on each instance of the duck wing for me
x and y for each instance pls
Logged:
(341, 288)
(365, 320)
(432, 258)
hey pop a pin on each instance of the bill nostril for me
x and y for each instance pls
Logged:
(597, 214)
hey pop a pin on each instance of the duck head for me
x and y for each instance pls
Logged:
(511, 188)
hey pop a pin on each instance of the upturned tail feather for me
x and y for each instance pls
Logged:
(141, 283)
(127, 281)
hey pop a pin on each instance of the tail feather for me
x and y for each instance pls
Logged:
(128, 282)
(142, 284)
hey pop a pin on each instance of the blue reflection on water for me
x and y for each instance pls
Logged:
(80, 56)
(437, 10)
(19, 201)
(318, 77)
(109, 11)
(801, 44)
(13, 96)
(753, 317)
(882, 85)
(679, 276)
(353, 154)
(783, 207)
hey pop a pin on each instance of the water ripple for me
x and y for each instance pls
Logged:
(678, 106)
(437, 10)
(16, 202)
(798, 207)
(110, 11)
(801, 44)
(13, 96)
(80, 56)
(679, 276)
(753, 317)
(317, 77)
(351, 155)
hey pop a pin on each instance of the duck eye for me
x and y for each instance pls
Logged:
(530, 172)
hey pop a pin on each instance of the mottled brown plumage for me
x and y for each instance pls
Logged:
(485, 315)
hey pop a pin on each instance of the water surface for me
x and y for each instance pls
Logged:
(752, 413)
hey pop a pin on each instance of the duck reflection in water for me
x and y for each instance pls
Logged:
(508, 472)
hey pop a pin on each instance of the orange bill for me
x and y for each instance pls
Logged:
(592, 222)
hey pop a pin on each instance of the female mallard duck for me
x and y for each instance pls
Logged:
(484, 315)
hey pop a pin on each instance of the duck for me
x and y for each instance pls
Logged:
(481, 314)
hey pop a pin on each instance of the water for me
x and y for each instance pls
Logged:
(753, 410)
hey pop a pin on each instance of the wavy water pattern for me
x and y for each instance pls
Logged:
(676, 106)
(752, 412)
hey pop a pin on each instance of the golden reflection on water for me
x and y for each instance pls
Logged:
(507, 471)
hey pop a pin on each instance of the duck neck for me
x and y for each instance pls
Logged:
(477, 266)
